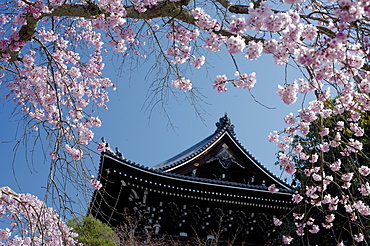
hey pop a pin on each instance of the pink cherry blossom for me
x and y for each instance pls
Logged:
(55, 75)
(336, 165)
(273, 137)
(287, 239)
(54, 155)
(325, 147)
(95, 184)
(287, 139)
(245, 81)
(315, 229)
(347, 177)
(316, 106)
(74, 152)
(307, 115)
(358, 131)
(329, 218)
(364, 170)
(365, 189)
(198, 61)
(314, 158)
(290, 168)
(277, 222)
(238, 25)
(272, 189)
(4, 234)
(220, 83)
(297, 198)
(213, 42)
(282, 146)
(235, 44)
(102, 147)
(203, 20)
(297, 149)
(288, 94)
(290, 119)
(346, 186)
(359, 237)
(316, 177)
(298, 216)
(253, 50)
(183, 84)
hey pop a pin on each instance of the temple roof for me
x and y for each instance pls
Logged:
(174, 176)
(222, 142)
(224, 129)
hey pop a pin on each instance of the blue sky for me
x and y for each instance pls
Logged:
(146, 137)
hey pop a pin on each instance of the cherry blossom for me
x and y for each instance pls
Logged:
(277, 222)
(359, 237)
(245, 81)
(254, 50)
(238, 25)
(364, 170)
(287, 239)
(290, 119)
(272, 189)
(235, 44)
(220, 83)
(213, 42)
(198, 61)
(297, 198)
(54, 155)
(273, 137)
(365, 189)
(182, 83)
(288, 94)
(95, 184)
(31, 222)
(102, 147)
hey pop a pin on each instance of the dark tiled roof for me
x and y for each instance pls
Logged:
(189, 153)
(190, 178)
(224, 126)
(203, 145)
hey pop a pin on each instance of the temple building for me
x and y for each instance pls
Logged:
(214, 189)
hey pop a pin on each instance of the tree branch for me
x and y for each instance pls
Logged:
(234, 8)
(163, 9)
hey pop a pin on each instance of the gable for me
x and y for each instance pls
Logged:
(226, 160)
(221, 157)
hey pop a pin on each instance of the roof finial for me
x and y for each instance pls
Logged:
(107, 149)
(119, 154)
(225, 122)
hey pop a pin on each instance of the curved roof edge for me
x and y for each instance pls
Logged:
(159, 172)
(258, 163)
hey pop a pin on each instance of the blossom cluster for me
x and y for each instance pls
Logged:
(180, 50)
(331, 179)
(331, 168)
(61, 92)
(31, 222)
(182, 83)
(95, 184)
